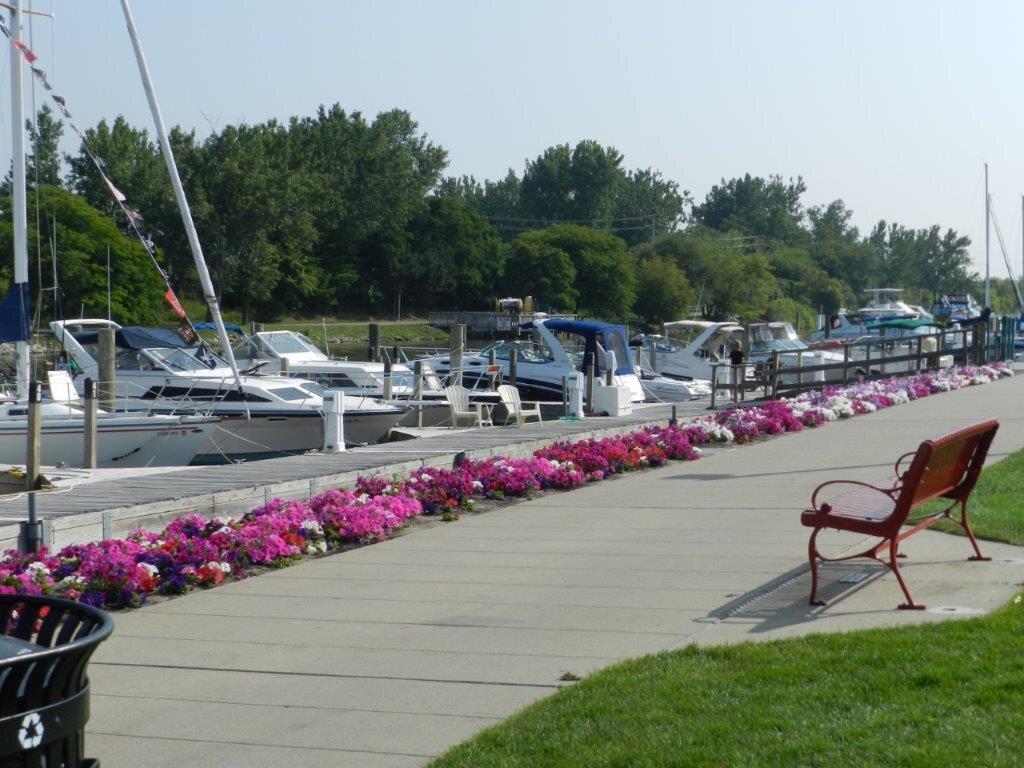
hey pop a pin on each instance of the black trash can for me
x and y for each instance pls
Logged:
(45, 645)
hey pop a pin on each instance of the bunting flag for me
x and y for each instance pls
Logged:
(25, 51)
(134, 218)
(117, 193)
(175, 304)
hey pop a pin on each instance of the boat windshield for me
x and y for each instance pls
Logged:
(774, 338)
(290, 343)
(531, 351)
(197, 358)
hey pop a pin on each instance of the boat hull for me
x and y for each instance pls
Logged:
(122, 442)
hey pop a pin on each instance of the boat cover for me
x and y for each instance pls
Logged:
(589, 330)
(136, 337)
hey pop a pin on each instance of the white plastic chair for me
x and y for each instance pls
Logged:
(458, 403)
(510, 398)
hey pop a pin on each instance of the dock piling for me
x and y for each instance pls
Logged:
(373, 347)
(31, 530)
(457, 346)
(89, 449)
(388, 387)
(513, 364)
(105, 355)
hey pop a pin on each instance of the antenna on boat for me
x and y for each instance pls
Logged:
(179, 194)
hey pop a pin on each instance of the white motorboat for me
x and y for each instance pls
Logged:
(261, 416)
(293, 354)
(122, 440)
(699, 349)
(543, 359)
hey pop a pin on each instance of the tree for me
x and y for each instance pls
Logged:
(663, 293)
(646, 196)
(572, 184)
(457, 257)
(83, 236)
(730, 283)
(44, 133)
(538, 269)
(768, 208)
(605, 270)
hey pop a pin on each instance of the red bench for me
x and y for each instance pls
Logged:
(944, 467)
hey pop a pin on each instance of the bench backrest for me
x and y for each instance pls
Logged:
(944, 466)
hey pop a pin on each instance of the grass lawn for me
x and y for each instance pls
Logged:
(948, 694)
(996, 508)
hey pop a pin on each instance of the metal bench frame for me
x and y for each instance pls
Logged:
(944, 467)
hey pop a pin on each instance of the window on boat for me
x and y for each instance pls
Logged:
(314, 389)
(289, 343)
(335, 380)
(185, 359)
(291, 393)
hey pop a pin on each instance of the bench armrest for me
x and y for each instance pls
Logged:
(899, 461)
(814, 496)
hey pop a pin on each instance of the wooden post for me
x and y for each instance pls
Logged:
(775, 373)
(373, 347)
(284, 364)
(867, 357)
(105, 354)
(32, 530)
(654, 352)
(846, 362)
(417, 389)
(456, 345)
(388, 389)
(639, 356)
(714, 385)
(800, 367)
(919, 344)
(883, 336)
(589, 364)
(513, 364)
(89, 457)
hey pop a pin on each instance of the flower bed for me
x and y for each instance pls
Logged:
(192, 552)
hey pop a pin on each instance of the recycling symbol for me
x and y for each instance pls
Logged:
(30, 735)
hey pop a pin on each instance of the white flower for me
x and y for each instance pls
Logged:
(149, 568)
(224, 567)
(362, 498)
(224, 520)
(477, 485)
(313, 527)
(37, 568)
(74, 581)
(425, 478)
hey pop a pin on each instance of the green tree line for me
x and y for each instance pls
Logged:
(339, 214)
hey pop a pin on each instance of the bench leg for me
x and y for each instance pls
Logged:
(970, 534)
(894, 567)
(812, 555)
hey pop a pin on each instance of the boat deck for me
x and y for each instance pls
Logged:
(99, 507)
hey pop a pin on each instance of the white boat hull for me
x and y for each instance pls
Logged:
(120, 442)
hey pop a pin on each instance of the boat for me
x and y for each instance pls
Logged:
(289, 353)
(262, 416)
(699, 349)
(551, 350)
(956, 308)
(122, 440)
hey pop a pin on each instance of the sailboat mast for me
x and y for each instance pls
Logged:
(18, 194)
(179, 194)
(988, 204)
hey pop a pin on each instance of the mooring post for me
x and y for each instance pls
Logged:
(920, 341)
(457, 345)
(32, 533)
(89, 457)
(106, 356)
(492, 368)
(373, 347)
(513, 364)
(388, 389)
(395, 352)
(417, 390)
(590, 381)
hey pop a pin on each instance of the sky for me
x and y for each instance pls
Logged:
(891, 106)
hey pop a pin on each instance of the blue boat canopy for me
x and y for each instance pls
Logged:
(136, 337)
(610, 338)
(207, 326)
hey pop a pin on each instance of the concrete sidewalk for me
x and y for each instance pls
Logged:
(389, 654)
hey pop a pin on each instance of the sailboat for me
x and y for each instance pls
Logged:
(130, 440)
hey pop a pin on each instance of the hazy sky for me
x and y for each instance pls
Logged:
(892, 106)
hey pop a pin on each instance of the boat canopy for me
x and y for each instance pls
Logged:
(611, 337)
(208, 326)
(136, 337)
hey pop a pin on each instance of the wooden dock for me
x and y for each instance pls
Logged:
(112, 507)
